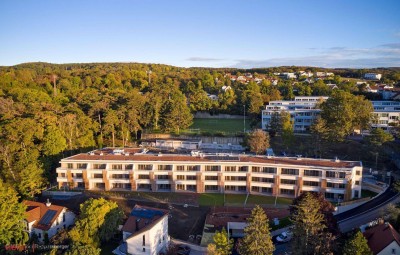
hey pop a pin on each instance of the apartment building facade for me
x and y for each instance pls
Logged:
(303, 111)
(200, 173)
(386, 113)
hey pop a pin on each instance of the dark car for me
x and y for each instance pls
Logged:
(183, 250)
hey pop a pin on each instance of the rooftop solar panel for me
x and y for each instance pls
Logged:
(145, 213)
(47, 217)
(224, 158)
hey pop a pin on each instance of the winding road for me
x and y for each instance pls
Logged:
(366, 212)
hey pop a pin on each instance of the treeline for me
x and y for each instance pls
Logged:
(48, 111)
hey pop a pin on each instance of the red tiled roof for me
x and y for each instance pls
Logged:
(381, 236)
(187, 158)
(35, 211)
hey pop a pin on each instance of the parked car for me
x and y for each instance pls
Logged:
(284, 237)
(183, 250)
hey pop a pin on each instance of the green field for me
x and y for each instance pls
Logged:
(216, 199)
(211, 199)
(220, 125)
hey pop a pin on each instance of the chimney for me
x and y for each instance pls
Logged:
(137, 224)
(48, 203)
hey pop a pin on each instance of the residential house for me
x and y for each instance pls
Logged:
(383, 239)
(226, 88)
(372, 76)
(46, 219)
(145, 232)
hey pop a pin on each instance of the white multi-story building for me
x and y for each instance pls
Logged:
(372, 76)
(302, 111)
(46, 219)
(386, 113)
(279, 176)
(145, 232)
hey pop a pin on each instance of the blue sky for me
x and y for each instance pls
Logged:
(211, 33)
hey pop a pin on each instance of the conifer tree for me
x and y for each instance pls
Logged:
(357, 245)
(257, 240)
(308, 225)
(222, 245)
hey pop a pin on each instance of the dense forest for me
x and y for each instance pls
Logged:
(48, 111)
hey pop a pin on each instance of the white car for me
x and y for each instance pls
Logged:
(284, 237)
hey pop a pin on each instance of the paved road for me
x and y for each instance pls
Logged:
(366, 212)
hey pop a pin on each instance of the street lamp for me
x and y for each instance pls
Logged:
(149, 73)
(244, 119)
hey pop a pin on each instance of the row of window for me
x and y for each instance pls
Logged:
(254, 169)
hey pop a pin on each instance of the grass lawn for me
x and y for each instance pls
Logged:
(220, 125)
(211, 199)
(235, 199)
(260, 200)
(284, 222)
(367, 193)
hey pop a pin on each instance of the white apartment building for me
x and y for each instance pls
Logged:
(372, 76)
(302, 111)
(279, 176)
(386, 113)
(145, 232)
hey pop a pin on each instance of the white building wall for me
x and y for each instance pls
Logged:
(392, 249)
(156, 239)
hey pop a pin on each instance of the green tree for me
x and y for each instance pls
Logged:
(257, 239)
(274, 125)
(53, 141)
(308, 225)
(83, 249)
(258, 141)
(343, 113)
(222, 244)
(287, 129)
(98, 221)
(357, 245)
(12, 215)
(378, 137)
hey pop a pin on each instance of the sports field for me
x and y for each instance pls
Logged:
(220, 125)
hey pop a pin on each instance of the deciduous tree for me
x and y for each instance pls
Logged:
(357, 245)
(258, 141)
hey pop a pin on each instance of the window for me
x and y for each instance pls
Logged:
(212, 168)
(40, 235)
(211, 178)
(81, 166)
(70, 166)
(285, 181)
(191, 187)
(357, 182)
(310, 183)
(270, 170)
(287, 191)
(144, 249)
(180, 177)
(180, 168)
(312, 173)
(163, 177)
(290, 171)
(255, 169)
(230, 169)
(230, 188)
(180, 187)
(255, 189)
(255, 179)
(97, 175)
(211, 187)
(144, 176)
(243, 168)
(99, 166)
(145, 167)
(63, 217)
(358, 172)
(192, 168)
(191, 177)
(117, 167)
(164, 167)
(242, 188)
